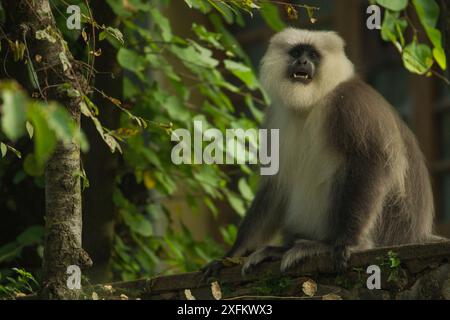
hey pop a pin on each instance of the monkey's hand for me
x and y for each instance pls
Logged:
(211, 270)
(268, 253)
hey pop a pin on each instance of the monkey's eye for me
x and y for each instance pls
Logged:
(314, 55)
(296, 52)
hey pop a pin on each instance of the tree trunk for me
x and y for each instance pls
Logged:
(63, 220)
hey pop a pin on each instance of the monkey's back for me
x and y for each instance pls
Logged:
(408, 210)
(409, 218)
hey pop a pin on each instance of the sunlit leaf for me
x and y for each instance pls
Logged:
(3, 149)
(243, 72)
(14, 113)
(394, 5)
(417, 58)
(271, 15)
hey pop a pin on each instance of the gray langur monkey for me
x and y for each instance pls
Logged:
(351, 176)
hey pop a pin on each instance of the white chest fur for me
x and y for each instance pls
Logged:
(308, 167)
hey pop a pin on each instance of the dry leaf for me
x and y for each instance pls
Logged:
(38, 58)
(94, 296)
(149, 182)
(96, 53)
(108, 288)
(228, 262)
(331, 296)
(188, 294)
(291, 12)
(123, 297)
(84, 35)
(309, 288)
(215, 289)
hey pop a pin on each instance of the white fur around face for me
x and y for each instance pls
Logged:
(334, 68)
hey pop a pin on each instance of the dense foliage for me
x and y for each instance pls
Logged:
(168, 82)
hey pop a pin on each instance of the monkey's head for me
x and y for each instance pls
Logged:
(301, 67)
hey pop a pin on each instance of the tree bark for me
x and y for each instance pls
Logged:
(63, 219)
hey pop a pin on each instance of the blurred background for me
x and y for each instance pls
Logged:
(423, 102)
(142, 214)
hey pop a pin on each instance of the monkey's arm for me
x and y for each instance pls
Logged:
(261, 221)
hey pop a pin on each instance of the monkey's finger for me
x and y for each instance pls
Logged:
(211, 270)
(247, 268)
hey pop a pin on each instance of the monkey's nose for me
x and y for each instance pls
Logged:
(302, 61)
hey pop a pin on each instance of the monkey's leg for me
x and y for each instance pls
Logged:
(301, 250)
(264, 254)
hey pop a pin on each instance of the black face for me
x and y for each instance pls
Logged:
(305, 60)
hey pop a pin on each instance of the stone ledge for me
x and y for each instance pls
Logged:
(416, 271)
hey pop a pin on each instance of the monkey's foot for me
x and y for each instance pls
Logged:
(301, 250)
(340, 256)
(264, 254)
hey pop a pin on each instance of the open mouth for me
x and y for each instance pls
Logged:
(301, 75)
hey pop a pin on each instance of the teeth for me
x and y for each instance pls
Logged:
(304, 76)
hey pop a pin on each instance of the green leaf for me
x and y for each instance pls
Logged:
(195, 56)
(14, 113)
(137, 223)
(201, 5)
(245, 189)
(113, 35)
(3, 149)
(32, 167)
(126, 9)
(394, 5)
(224, 9)
(228, 39)
(10, 251)
(417, 58)
(236, 203)
(112, 143)
(162, 23)
(30, 129)
(271, 16)
(44, 137)
(207, 36)
(258, 114)
(439, 56)
(131, 60)
(176, 110)
(242, 72)
(15, 151)
(393, 28)
(31, 235)
(61, 123)
(428, 12)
